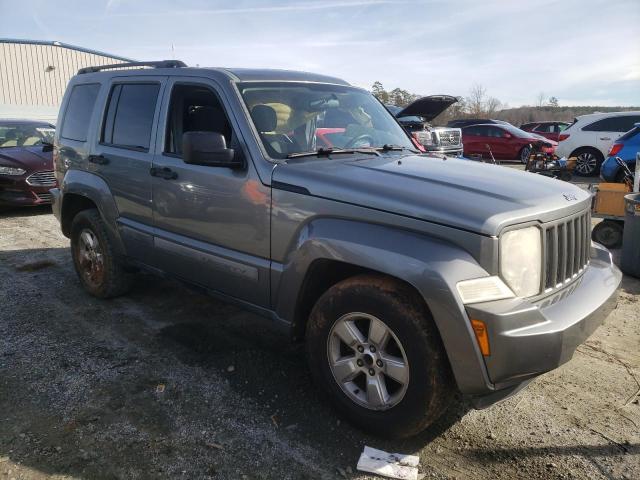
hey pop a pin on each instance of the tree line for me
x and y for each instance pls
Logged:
(479, 104)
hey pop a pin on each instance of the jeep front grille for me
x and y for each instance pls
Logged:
(566, 247)
(42, 179)
(448, 138)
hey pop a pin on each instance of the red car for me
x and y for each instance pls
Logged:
(26, 163)
(506, 142)
(550, 130)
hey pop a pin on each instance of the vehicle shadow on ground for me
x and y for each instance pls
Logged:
(10, 212)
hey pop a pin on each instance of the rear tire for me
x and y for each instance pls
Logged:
(100, 271)
(589, 161)
(395, 390)
(608, 233)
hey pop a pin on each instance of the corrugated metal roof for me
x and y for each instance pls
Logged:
(63, 45)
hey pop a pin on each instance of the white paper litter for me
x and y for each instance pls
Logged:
(392, 465)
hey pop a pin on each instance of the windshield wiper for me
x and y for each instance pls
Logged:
(394, 148)
(325, 152)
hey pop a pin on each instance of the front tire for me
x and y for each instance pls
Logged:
(588, 162)
(375, 352)
(608, 233)
(524, 154)
(100, 271)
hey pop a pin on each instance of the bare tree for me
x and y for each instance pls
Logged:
(541, 100)
(492, 105)
(553, 101)
(476, 99)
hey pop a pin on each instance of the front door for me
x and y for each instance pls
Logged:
(211, 223)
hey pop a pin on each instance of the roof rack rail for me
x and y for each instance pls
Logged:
(159, 64)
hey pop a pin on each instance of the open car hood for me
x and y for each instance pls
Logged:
(428, 107)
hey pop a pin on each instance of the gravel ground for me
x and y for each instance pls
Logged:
(169, 383)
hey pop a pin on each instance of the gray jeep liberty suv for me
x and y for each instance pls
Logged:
(409, 276)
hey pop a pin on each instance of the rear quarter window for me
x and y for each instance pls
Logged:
(79, 110)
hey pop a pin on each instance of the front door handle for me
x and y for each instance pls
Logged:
(98, 159)
(605, 138)
(164, 172)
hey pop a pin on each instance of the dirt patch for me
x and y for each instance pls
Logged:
(34, 266)
(80, 396)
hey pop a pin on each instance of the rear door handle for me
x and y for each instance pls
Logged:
(605, 138)
(98, 159)
(164, 172)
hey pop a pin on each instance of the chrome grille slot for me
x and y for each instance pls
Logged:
(45, 197)
(566, 246)
(448, 138)
(42, 179)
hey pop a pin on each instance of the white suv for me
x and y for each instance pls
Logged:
(590, 137)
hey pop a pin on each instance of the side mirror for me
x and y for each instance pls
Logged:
(208, 148)
(47, 147)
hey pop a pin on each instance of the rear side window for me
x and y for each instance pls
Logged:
(79, 110)
(613, 124)
(130, 112)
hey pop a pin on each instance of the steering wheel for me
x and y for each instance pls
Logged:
(353, 143)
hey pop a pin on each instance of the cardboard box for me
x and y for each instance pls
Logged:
(610, 199)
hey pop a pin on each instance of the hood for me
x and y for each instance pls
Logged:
(464, 194)
(428, 107)
(29, 158)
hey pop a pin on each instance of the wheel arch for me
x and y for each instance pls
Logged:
(84, 190)
(334, 249)
(596, 150)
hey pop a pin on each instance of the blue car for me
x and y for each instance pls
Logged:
(626, 147)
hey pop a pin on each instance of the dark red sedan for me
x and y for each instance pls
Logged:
(505, 142)
(550, 130)
(26, 162)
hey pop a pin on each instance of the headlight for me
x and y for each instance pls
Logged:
(521, 260)
(11, 171)
(423, 137)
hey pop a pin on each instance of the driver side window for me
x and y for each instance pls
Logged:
(194, 108)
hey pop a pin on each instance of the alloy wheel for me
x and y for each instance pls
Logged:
(90, 258)
(368, 361)
(524, 154)
(586, 163)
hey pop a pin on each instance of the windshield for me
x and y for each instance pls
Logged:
(294, 118)
(25, 134)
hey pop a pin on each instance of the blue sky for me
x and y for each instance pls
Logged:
(584, 52)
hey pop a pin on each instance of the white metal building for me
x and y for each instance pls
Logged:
(34, 75)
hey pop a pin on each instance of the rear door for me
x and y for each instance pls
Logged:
(123, 152)
(212, 224)
(608, 130)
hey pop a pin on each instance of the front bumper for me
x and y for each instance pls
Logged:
(531, 338)
(19, 193)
